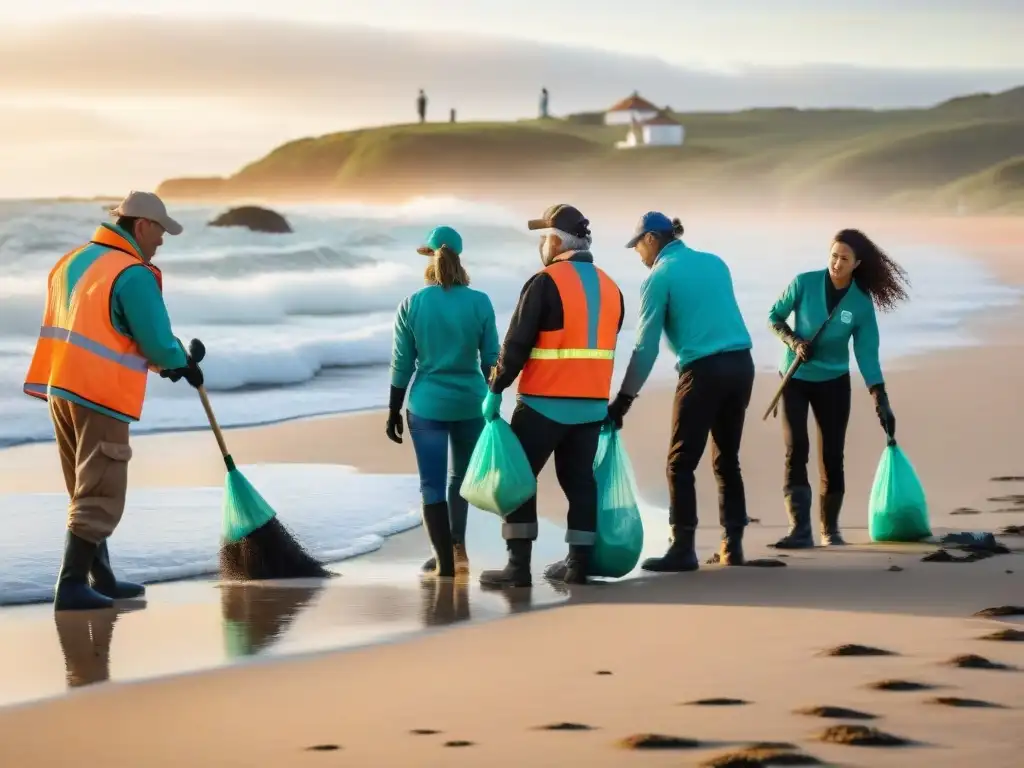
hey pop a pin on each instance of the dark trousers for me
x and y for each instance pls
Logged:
(830, 403)
(711, 399)
(574, 447)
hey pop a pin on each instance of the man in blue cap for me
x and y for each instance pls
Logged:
(689, 295)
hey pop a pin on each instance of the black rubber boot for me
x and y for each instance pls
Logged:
(798, 507)
(574, 569)
(439, 531)
(831, 505)
(731, 551)
(461, 560)
(680, 557)
(102, 578)
(516, 572)
(73, 592)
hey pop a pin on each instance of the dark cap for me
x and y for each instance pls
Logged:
(563, 217)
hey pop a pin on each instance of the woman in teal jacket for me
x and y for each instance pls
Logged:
(446, 335)
(840, 300)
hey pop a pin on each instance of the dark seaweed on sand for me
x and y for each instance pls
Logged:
(1005, 636)
(900, 685)
(657, 741)
(974, 661)
(836, 713)
(759, 757)
(853, 649)
(1001, 610)
(956, 701)
(861, 736)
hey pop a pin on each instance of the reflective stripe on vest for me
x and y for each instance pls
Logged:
(79, 351)
(577, 360)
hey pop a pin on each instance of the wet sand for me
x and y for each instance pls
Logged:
(758, 635)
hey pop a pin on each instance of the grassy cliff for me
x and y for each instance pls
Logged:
(965, 153)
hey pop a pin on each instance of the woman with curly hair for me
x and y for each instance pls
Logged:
(841, 301)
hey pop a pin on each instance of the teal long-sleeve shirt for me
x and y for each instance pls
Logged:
(442, 341)
(854, 317)
(689, 296)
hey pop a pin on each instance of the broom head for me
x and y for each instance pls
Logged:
(255, 544)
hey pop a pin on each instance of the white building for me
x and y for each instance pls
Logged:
(658, 131)
(634, 109)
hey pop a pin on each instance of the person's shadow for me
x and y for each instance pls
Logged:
(257, 615)
(84, 638)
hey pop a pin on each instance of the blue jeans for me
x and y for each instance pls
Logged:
(431, 440)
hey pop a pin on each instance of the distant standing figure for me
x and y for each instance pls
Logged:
(446, 335)
(421, 106)
(689, 296)
(840, 300)
(451, 115)
(543, 103)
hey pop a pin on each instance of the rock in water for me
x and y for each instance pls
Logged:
(254, 218)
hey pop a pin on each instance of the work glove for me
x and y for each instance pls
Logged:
(191, 372)
(801, 348)
(885, 415)
(396, 427)
(491, 408)
(618, 408)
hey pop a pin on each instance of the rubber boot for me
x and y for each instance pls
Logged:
(681, 556)
(73, 592)
(731, 551)
(798, 507)
(831, 505)
(574, 569)
(461, 560)
(103, 580)
(516, 572)
(439, 531)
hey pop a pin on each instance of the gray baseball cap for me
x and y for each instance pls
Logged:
(146, 205)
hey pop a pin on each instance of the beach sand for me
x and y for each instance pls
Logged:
(744, 633)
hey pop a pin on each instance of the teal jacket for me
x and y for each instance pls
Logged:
(854, 316)
(137, 310)
(445, 338)
(689, 295)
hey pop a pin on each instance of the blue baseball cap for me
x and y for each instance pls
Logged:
(652, 221)
(441, 236)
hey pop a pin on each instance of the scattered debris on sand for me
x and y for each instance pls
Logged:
(761, 757)
(965, 511)
(956, 701)
(657, 741)
(861, 736)
(458, 743)
(853, 649)
(323, 748)
(424, 732)
(565, 727)
(1005, 636)
(1008, 479)
(900, 685)
(974, 661)
(1001, 610)
(717, 702)
(603, 672)
(894, 569)
(836, 713)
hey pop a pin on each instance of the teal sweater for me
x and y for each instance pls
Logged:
(830, 356)
(444, 338)
(689, 295)
(137, 310)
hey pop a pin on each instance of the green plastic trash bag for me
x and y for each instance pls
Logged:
(898, 510)
(499, 478)
(620, 531)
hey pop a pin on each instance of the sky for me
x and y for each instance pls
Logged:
(96, 97)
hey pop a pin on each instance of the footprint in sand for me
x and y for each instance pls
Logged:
(760, 756)
(836, 713)
(852, 649)
(716, 702)
(1005, 636)
(657, 741)
(1000, 611)
(565, 727)
(861, 736)
(956, 701)
(900, 685)
(974, 661)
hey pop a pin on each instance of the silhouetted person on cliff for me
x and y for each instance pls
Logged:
(451, 115)
(421, 106)
(543, 103)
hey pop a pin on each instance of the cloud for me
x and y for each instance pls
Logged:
(367, 74)
(36, 125)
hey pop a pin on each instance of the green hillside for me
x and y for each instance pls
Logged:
(965, 152)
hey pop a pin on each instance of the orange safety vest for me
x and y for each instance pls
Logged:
(567, 362)
(79, 350)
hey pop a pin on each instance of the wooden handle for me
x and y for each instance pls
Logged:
(782, 386)
(213, 424)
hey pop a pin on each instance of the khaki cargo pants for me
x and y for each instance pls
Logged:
(94, 455)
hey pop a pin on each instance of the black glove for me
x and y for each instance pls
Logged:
(396, 427)
(191, 372)
(801, 348)
(618, 408)
(885, 415)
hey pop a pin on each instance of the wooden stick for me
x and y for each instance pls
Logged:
(782, 386)
(213, 424)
